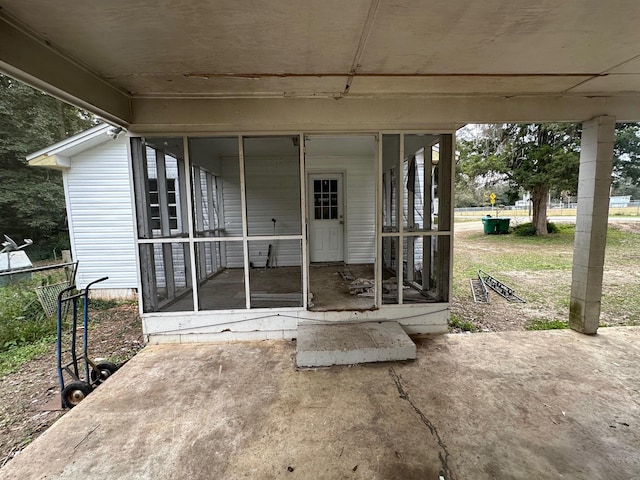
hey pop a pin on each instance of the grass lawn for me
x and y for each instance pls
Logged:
(539, 269)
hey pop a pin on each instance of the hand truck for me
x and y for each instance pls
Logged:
(83, 383)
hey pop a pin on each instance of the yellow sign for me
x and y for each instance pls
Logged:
(492, 197)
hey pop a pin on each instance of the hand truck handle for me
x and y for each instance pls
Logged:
(96, 281)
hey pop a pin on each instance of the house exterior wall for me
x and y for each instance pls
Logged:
(359, 199)
(261, 177)
(99, 207)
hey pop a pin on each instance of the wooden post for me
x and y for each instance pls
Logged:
(143, 219)
(165, 227)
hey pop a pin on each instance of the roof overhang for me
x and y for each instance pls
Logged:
(206, 65)
(58, 156)
(56, 162)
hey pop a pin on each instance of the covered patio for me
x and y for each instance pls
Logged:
(485, 406)
(405, 78)
(516, 405)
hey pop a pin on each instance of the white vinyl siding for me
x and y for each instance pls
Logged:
(271, 186)
(101, 215)
(360, 201)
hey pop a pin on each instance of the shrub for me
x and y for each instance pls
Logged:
(528, 230)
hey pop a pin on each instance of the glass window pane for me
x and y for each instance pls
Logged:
(272, 184)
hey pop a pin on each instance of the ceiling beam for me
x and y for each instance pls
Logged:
(30, 59)
(190, 115)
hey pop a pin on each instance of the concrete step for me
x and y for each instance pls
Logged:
(321, 345)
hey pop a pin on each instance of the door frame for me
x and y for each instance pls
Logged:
(343, 206)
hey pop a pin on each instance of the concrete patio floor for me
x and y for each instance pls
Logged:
(529, 405)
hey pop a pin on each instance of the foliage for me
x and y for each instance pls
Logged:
(533, 157)
(464, 325)
(22, 320)
(528, 230)
(32, 202)
(14, 357)
(44, 249)
(541, 324)
(626, 160)
(538, 158)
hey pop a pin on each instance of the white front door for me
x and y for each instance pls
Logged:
(326, 218)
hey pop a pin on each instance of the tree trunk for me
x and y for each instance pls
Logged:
(539, 196)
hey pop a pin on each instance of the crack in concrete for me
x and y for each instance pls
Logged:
(444, 454)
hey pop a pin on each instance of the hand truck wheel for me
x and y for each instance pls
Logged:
(103, 371)
(74, 393)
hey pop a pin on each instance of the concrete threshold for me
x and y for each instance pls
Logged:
(322, 345)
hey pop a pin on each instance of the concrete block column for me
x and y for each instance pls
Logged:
(594, 182)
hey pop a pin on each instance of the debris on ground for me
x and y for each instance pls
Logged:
(361, 285)
(499, 287)
(346, 275)
(481, 294)
(479, 290)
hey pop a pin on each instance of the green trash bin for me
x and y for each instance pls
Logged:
(490, 225)
(503, 225)
(494, 226)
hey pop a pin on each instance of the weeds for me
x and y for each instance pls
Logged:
(465, 325)
(100, 304)
(22, 320)
(12, 358)
(541, 324)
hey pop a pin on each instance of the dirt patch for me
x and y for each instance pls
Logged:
(546, 287)
(27, 394)
(631, 227)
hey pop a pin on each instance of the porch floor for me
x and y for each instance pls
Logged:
(280, 287)
(543, 405)
(331, 291)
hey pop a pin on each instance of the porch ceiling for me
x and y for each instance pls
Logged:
(108, 54)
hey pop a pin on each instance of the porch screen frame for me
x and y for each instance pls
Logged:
(142, 215)
(445, 222)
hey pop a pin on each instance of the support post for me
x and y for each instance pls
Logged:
(594, 181)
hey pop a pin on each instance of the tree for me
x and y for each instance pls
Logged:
(535, 157)
(626, 160)
(32, 202)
